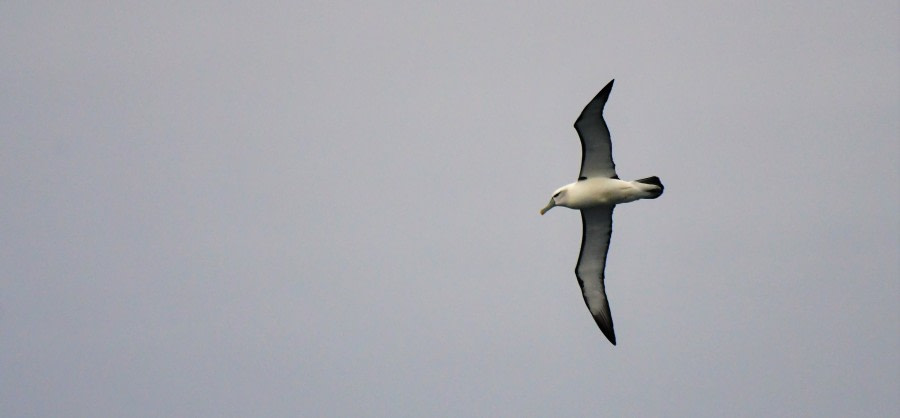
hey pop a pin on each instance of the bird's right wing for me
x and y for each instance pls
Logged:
(597, 225)
(596, 145)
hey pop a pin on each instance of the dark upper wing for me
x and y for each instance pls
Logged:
(596, 146)
(597, 225)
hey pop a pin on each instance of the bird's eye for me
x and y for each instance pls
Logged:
(557, 194)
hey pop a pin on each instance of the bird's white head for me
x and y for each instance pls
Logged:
(560, 198)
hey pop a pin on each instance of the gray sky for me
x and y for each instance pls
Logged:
(332, 209)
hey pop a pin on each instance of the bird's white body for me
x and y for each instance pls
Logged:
(599, 191)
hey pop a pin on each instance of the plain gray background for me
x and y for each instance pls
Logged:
(331, 209)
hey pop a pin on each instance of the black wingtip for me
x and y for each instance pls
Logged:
(606, 327)
(610, 335)
(595, 107)
(609, 85)
(604, 92)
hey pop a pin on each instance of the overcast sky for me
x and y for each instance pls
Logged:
(331, 209)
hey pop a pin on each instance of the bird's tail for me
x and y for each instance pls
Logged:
(654, 191)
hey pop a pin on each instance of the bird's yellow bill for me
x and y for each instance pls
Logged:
(548, 207)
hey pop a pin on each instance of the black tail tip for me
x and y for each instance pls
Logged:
(656, 182)
(651, 180)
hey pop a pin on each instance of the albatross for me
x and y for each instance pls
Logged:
(596, 193)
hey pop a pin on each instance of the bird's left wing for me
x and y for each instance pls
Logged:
(596, 145)
(597, 226)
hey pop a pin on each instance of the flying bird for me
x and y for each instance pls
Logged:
(596, 193)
